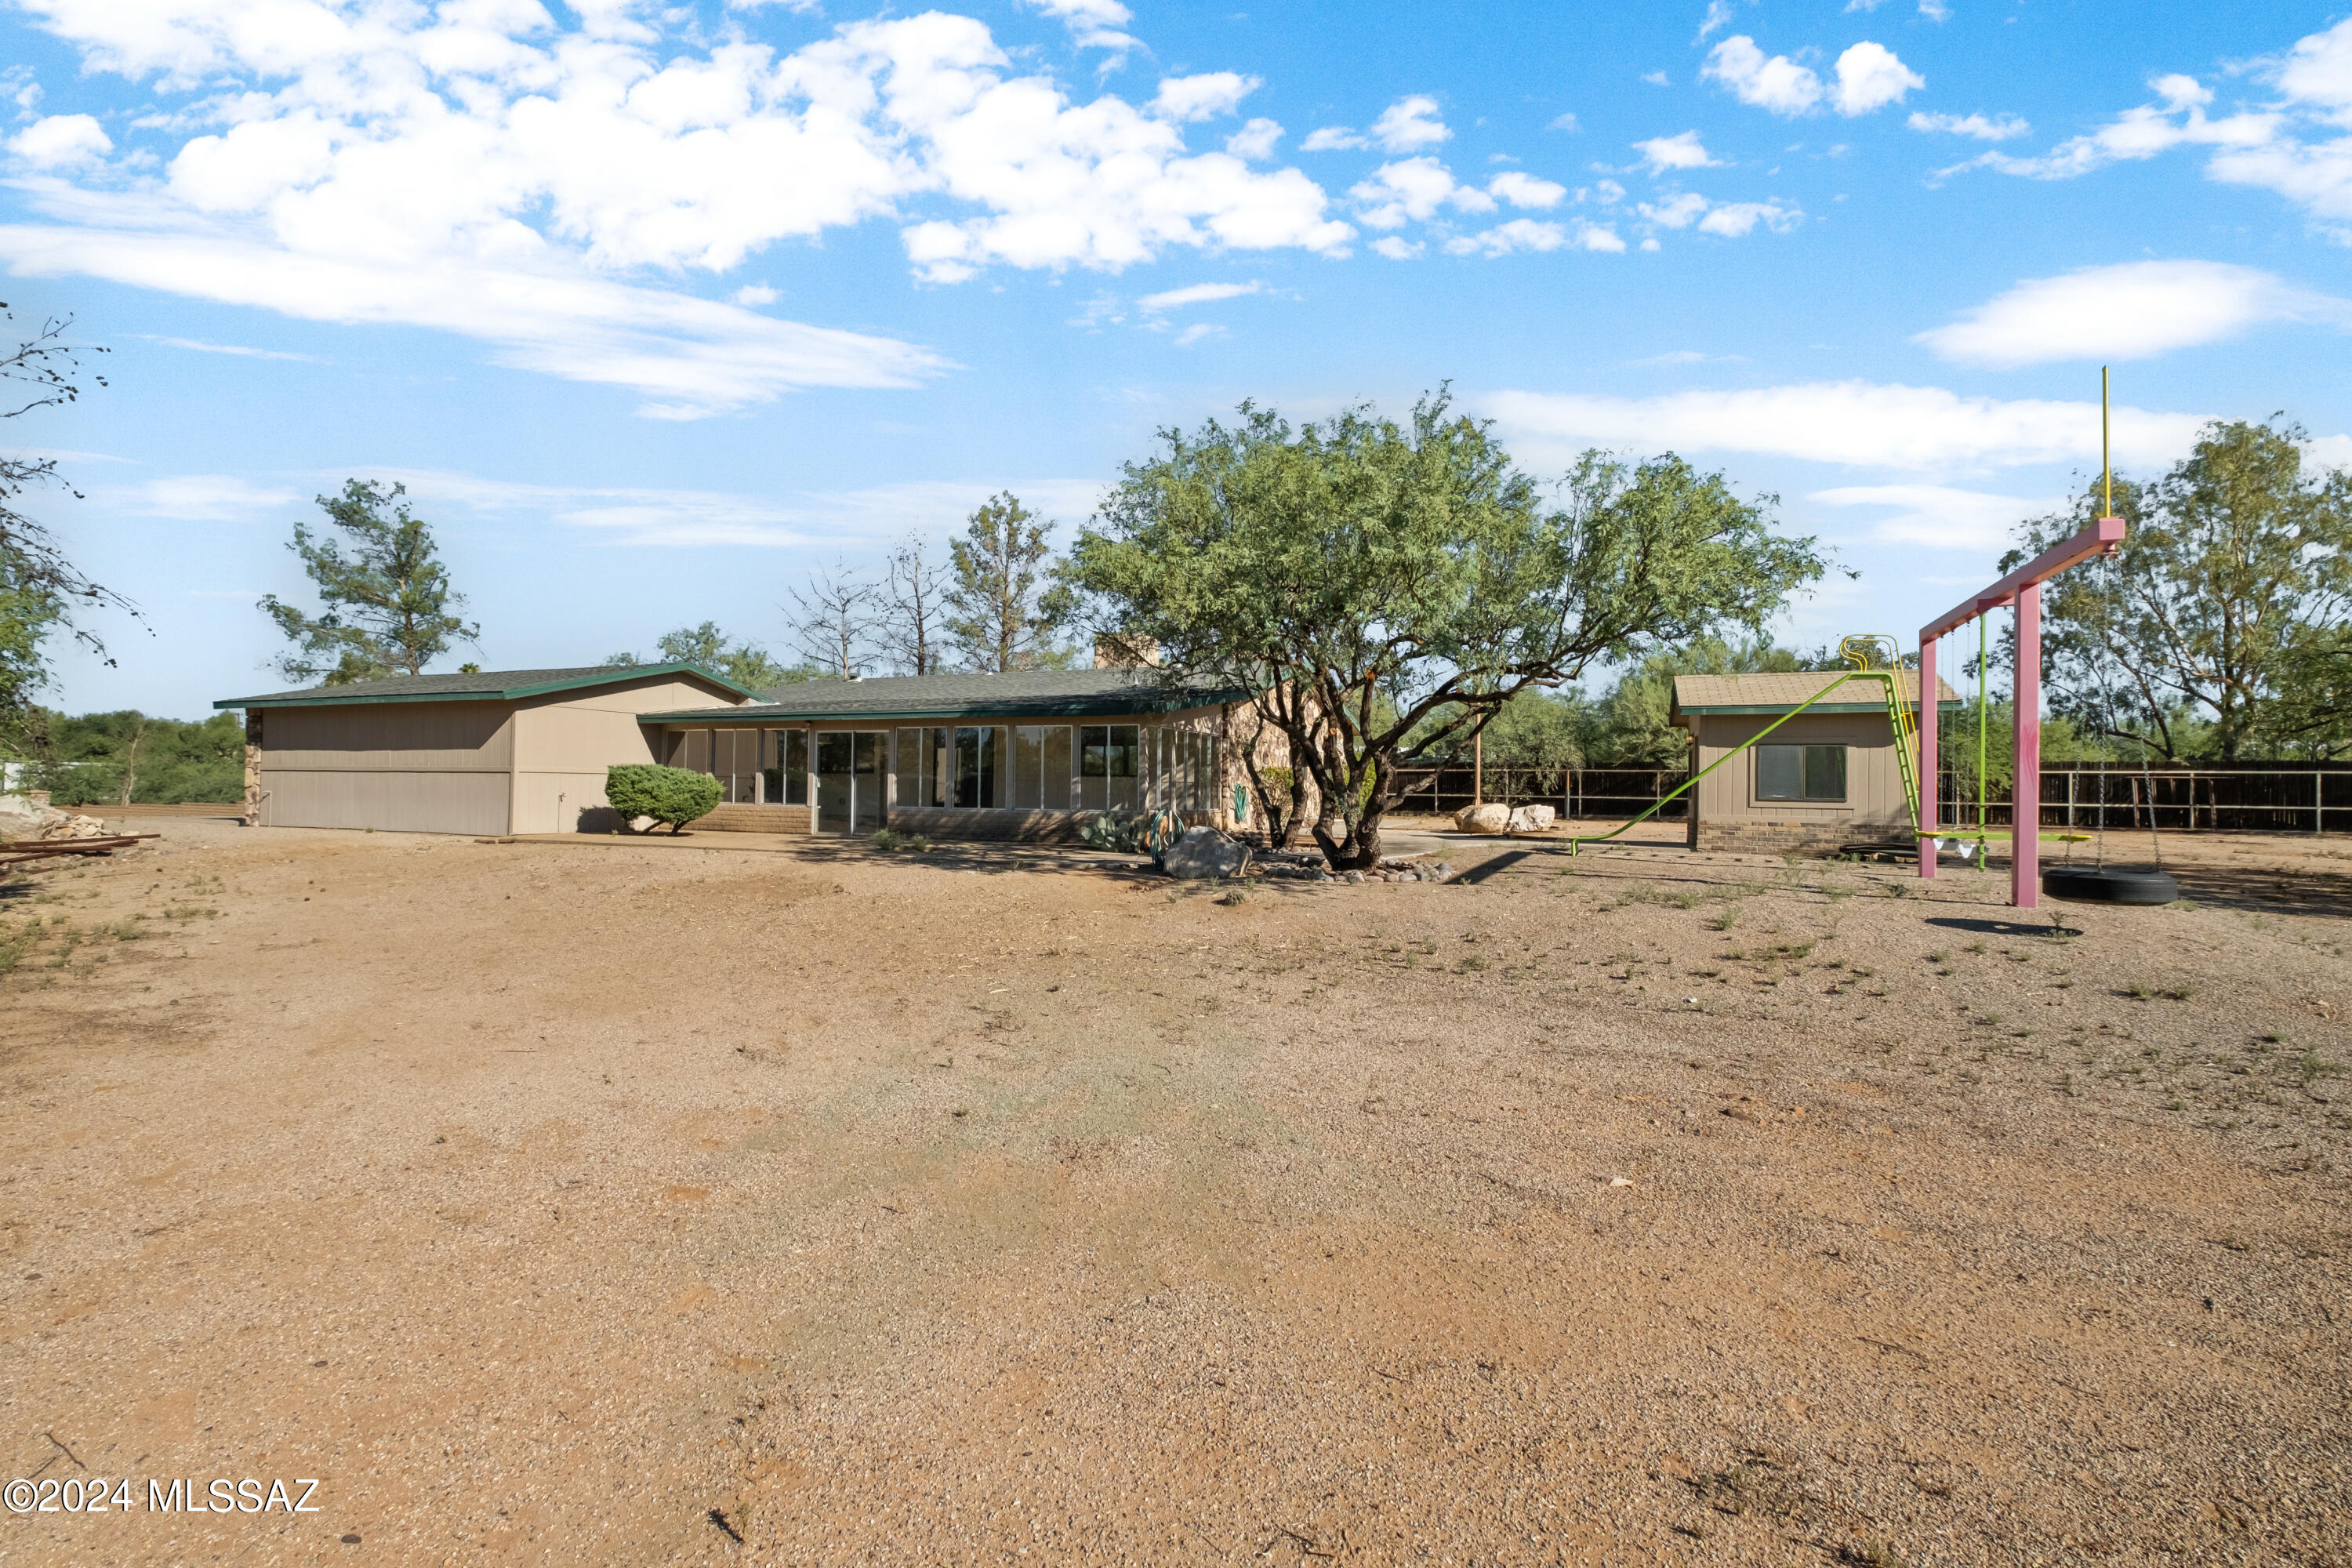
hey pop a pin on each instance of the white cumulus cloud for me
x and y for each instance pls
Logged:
(1867, 76)
(1683, 150)
(1525, 190)
(1203, 97)
(1254, 141)
(1776, 83)
(1093, 24)
(61, 142)
(1412, 190)
(1730, 220)
(1410, 124)
(482, 169)
(1734, 220)
(2132, 310)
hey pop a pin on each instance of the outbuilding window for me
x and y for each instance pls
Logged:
(1800, 772)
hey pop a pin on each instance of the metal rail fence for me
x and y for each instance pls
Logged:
(2245, 798)
(1606, 792)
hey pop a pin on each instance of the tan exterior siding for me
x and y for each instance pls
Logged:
(565, 740)
(393, 800)
(533, 765)
(1731, 815)
(414, 737)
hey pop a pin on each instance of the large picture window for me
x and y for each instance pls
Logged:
(1800, 772)
(1109, 759)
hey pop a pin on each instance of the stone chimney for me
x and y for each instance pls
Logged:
(1123, 650)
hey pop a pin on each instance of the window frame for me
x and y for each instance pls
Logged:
(1806, 752)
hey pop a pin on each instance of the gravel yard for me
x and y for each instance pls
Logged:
(630, 1202)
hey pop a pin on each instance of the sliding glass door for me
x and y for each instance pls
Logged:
(852, 785)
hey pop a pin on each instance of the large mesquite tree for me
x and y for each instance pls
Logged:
(1385, 589)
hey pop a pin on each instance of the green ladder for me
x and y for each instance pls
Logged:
(1858, 650)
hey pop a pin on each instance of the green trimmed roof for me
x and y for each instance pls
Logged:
(1778, 691)
(1022, 694)
(481, 686)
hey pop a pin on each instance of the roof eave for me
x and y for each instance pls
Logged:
(1056, 707)
(324, 697)
(1755, 708)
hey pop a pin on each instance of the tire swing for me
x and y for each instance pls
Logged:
(2100, 883)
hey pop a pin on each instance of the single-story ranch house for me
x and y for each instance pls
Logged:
(1023, 755)
(1827, 777)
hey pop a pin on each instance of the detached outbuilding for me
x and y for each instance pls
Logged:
(519, 751)
(1827, 777)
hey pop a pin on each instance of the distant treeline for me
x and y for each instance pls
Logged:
(129, 759)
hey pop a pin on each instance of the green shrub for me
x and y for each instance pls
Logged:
(671, 796)
(892, 839)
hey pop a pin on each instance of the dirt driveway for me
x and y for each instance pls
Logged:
(774, 1203)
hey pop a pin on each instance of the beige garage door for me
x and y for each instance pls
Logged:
(391, 802)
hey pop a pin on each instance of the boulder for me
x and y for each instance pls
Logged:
(20, 818)
(1492, 817)
(1204, 853)
(1532, 818)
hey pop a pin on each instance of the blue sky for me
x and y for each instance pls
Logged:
(656, 308)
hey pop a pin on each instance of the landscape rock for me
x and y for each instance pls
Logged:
(74, 827)
(21, 818)
(1492, 817)
(1532, 818)
(1204, 853)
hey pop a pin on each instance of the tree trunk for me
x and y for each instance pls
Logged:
(1296, 815)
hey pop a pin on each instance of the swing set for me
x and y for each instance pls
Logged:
(1877, 657)
(2020, 591)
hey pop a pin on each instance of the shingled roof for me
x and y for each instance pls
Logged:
(1020, 694)
(1778, 692)
(477, 686)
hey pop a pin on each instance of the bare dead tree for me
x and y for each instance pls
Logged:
(833, 620)
(130, 758)
(913, 590)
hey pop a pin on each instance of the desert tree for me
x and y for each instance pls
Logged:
(2218, 624)
(388, 605)
(41, 589)
(1004, 606)
(913, 608)
(832, 620)
(1383, 590)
